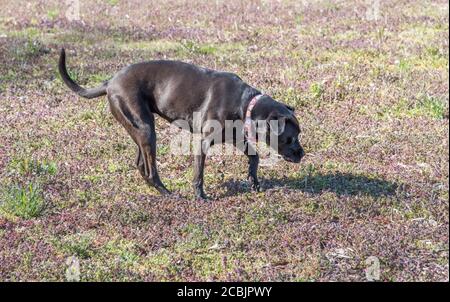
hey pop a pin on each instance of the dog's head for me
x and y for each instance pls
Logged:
(284, 127)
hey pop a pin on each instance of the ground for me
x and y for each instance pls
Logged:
(368, 80)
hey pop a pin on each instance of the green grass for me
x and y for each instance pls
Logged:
(153, 46)
(193, 48)
(124, 251)
(24, 166)
(112, 2)
(96, 79)
(24, 201)
(426, 106)
(29, 49)
(292, 98)
(316, 90)
(52, 13)
(9, 76)
(431, 106)
(79, 245)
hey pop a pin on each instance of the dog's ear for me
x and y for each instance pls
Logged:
(276, 123)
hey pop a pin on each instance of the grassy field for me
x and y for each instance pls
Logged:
(371, 92)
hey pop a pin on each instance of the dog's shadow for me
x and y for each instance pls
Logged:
(342, 184)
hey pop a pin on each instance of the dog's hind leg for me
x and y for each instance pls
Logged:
(199, 166)
(138, 161)
(140, 124)
(200, 151)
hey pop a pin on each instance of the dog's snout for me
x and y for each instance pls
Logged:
(301, 152)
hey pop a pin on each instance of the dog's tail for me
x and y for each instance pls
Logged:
(86, 93)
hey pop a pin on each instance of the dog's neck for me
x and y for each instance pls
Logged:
(253, 101)
(247, 96)
(260, 109)
(249, 130)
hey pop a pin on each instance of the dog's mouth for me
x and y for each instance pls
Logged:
(292, 160)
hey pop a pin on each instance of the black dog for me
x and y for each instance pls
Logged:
(175, 90)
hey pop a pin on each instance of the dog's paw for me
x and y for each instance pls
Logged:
(163, 191)
(254, 185)
(177, 196)
(200, 196)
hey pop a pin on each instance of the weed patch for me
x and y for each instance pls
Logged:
(426, 106)
(27, 166)
(25, 201)
(80, 245)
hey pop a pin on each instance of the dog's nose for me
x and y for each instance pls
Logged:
(301, 152)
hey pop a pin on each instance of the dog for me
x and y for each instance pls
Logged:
(174, 90)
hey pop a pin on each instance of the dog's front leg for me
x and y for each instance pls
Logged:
(253, 161)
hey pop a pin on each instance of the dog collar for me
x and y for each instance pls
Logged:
(249, 130)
